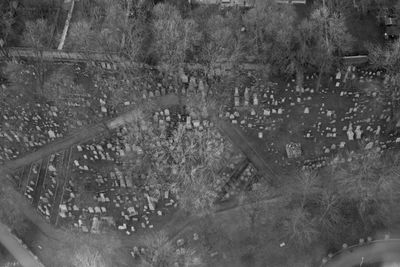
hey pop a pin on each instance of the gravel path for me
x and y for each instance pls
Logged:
(20, 253)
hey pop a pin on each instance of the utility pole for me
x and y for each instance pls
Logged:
(66, 26)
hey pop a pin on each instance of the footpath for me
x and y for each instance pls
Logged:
(378, 251)
(15, 247)
(179, 224)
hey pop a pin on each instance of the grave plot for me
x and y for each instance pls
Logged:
(239, 182)
(99, 197)
(339, 116)
(48, 191)
(27, 126)
(32, 179)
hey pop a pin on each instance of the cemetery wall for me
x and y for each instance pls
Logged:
(114, 61)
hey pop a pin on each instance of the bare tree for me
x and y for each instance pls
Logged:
(37, 34)
(369, 183)
(388, 59)
(333, 39)
(159, 250)
(80, 36)
(300, 227)
(222, 42)
(187, 162)
(88, 257)
(269, 26)
(174, 37)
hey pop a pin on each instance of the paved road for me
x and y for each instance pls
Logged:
(376, 251)
(20, 253)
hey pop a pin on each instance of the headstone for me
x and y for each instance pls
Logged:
(237, 101)
(369, 145)
(358, 132)
(51, 134)
(202, 87)
(338, 75)
(192, 84)
(188, 122)
(293, 150)
(236, 91)
(255, 99)
(246, 96)
(378, 130)
(350, 134)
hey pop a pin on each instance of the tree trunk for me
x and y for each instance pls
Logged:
(66, 26)
(53, 30)
(176, 82)
(299, 77)
(319, 79)
(128, 9)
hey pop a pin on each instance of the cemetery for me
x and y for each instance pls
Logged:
(85, 188)
(308, 128)
(191, 133)
(295, 127)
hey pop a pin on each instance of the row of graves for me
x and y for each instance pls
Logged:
(27, 126)
(242, 179)
(116, 200)
(315, 124)
(190, 83)
(42, 183)
(182, 246)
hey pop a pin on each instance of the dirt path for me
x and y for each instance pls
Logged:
(251, 151)
(374, 252)
(180, 223)
(20, 253)
(81, 135)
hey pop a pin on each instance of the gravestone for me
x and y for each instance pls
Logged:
(192, 85)
(246, 96)
(188, 122)
(293, 150)
(350, 134)
(358, 132)
(369, 146)
(378, 130)
(255, 99)
(237, 101)
(338, 75)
